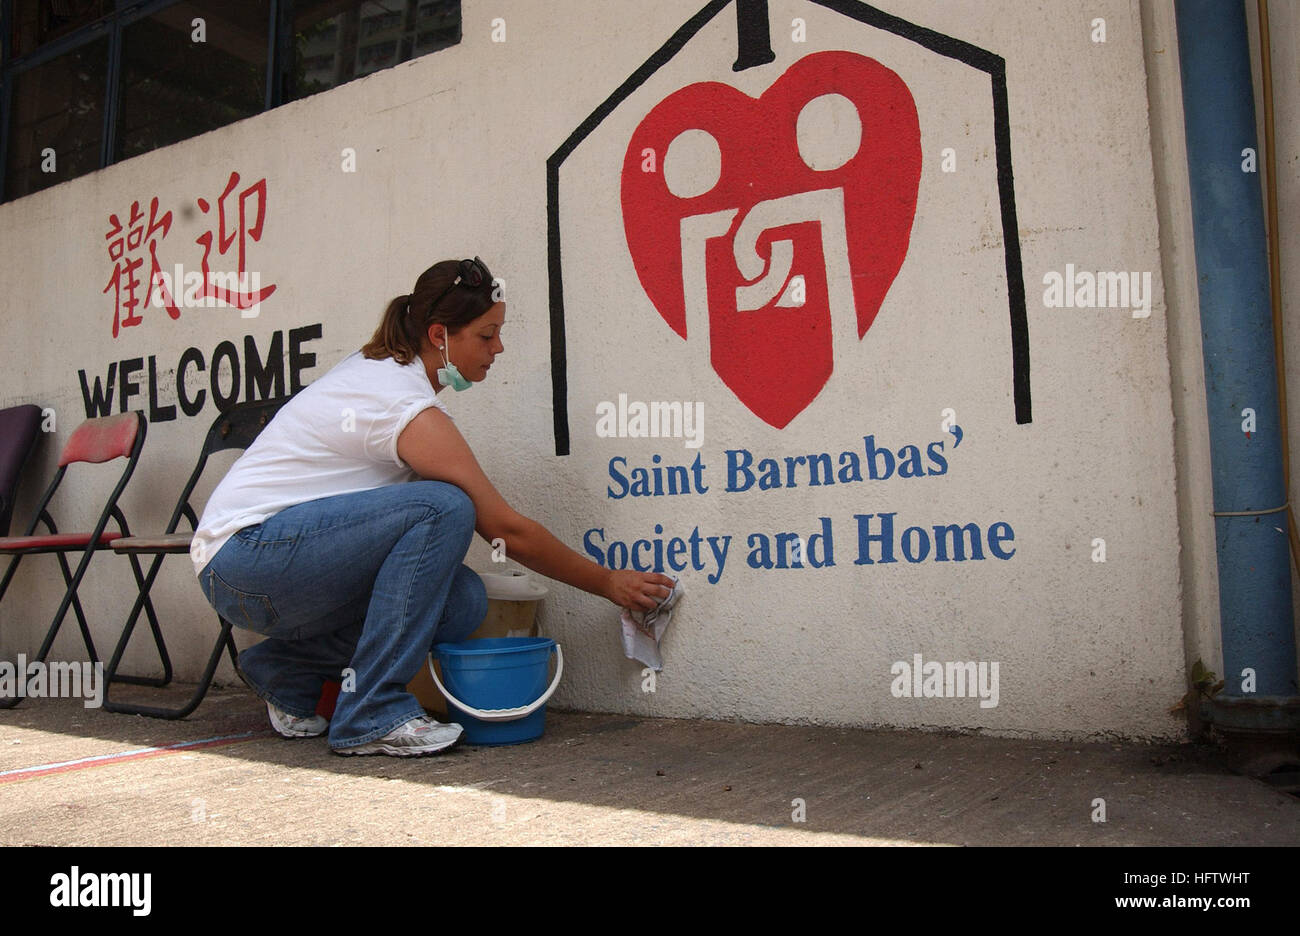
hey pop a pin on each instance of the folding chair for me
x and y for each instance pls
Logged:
(236, 428)
(19, 430)
(94, 441)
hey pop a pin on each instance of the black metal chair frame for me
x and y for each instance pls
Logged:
(72, 580)
(236, 428)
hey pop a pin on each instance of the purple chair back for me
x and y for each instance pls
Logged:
(19, 430)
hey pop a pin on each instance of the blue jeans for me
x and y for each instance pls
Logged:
(369, 580)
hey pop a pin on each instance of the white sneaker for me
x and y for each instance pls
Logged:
(291, 726)
(420, 735)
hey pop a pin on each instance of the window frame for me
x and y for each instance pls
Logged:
(279, 61)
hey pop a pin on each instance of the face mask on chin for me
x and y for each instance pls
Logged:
(450, 376)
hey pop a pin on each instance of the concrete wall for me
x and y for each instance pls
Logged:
(451, 158)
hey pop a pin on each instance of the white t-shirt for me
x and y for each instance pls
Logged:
(338, 435)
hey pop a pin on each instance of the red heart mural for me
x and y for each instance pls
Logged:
(727, 259)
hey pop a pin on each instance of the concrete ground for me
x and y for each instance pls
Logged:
(77, 776)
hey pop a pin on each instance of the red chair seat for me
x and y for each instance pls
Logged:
(10, 544)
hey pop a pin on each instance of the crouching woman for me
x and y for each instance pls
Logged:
(340, 533)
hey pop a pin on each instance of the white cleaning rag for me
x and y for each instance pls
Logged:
(642, 630)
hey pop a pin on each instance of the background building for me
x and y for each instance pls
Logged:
(909, 453)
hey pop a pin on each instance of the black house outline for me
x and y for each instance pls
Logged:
(754, 43)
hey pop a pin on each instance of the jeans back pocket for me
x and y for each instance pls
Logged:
(243, 609)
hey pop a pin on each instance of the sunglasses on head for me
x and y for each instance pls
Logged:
(471, 273)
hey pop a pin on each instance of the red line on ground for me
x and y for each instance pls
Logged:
(40, 770)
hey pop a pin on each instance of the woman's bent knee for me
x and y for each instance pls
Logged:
(449, 502)
(460, 508)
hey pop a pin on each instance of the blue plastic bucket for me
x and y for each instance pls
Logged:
(497, 687)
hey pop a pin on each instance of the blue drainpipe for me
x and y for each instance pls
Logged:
(1240, 369)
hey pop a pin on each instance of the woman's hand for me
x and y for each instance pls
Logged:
(637, 591)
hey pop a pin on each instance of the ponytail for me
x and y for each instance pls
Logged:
(392, 338)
